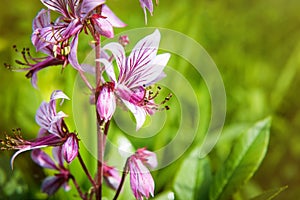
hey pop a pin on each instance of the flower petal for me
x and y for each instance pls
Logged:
(142, 54)
(147, 157)
(111, 176)
(88, 5)
(21, 151)
(58, 94)
(57, 5)
(147, 4)
(102, 26)
(52, 183)
(109, 69)
(58, 156)
(106, 103)
(119, 54)
(42, 159)
(111, 17)
(72, 57)
(150, 72)
(41, 20)
(70, 148)
(138, 112)
(141, 181)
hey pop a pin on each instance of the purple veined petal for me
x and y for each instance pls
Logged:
(150, 72)
(124, 93)
(111, 17)
(34, 80)
(158, 78)
(41, 20)
(60, 115)
(138, 112)
(147, 157)
(57, 153)
(73, 6)
(57, 5)
(106, 103)
(119, 54)
(109, 69)
(72, 57)
(49, 35)
(34, 69)
(141, 181)
(147, 4)
(111, 176)
(73, 28)
(70, 148)
(52, 183)
(56, 127)
(142, 54)
(88, 5)
(44, 115)
(42, 159)
(21, 151)
(47, 118)
(102, 26)
(152, 161)
(58, 94)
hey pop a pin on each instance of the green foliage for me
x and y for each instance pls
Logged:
(247, 154)
(193, 177)
(270, 194)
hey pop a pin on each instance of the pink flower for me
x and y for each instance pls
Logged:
(106, 103)
(59, 39)
(139, 70)
(51, 184)
(147, 4)
(141, 181)
(111, 176)
(53, 132)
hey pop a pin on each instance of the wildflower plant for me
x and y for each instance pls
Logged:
(122, 80)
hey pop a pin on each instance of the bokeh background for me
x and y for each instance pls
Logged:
(255, 44)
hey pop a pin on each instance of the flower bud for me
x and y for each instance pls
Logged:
(70, 147)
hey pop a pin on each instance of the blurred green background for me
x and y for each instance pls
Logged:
(255, 44)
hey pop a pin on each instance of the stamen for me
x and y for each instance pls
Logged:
(150, 95)
(15, 142)
(8, 66)
(15, 48)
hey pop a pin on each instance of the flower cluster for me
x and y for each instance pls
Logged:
(128, 83)
(53, 132)
(59, 39)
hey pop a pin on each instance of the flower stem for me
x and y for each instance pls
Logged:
(83, 196)
(83, 77)
(86, 170)
(98, 189)
(125, 172)
(100, 129)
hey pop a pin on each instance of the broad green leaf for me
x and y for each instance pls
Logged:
(244, 159)
(270, 194)
(193, 177)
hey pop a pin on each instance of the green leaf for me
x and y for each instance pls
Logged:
(270, 194)
(166, 195)
(244, 159)
(193, 177)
